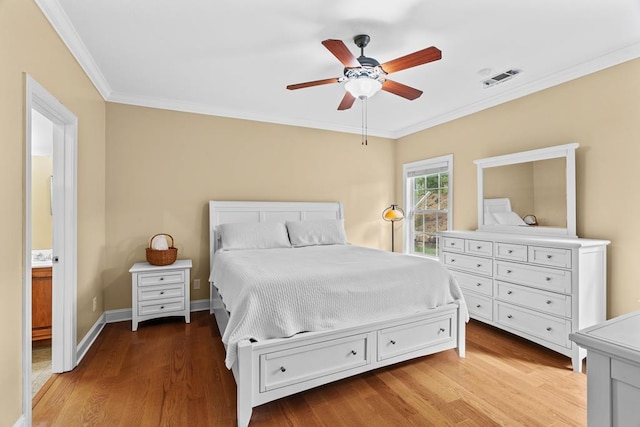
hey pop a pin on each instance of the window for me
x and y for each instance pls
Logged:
(428, 196)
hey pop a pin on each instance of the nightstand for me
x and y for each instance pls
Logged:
(160, 291)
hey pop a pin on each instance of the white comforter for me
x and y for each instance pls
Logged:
(275, 293)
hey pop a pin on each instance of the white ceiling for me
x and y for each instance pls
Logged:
(234, 58)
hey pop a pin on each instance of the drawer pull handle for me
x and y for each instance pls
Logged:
(508, 271)
(509, 316)
(478, 247)
(478, 265)
(548, 301)
(548, 279)
(453, 260)
(161, 292)
(441, 330)
(162, 307)
(548, 328)
(549, 256)
(283, 369)
(510, 251)
(478, 306)
(453, 243)
(354, 352)
(478, 284)
(509, 292)
(393, 342)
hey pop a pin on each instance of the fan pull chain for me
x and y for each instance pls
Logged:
(364, 121)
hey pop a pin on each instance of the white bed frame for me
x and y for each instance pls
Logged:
(275, 368)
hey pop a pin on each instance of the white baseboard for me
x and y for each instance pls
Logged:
(120, 315)
(20, 422)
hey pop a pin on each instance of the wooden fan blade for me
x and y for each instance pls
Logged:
(401, 90)
(347, 101)
(412, 60)
(342, 52)
(313, 83)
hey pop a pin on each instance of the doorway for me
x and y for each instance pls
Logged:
(40, 104)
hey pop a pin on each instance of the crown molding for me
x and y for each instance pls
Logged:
(197, 108)
(599, 63)
(66, 31)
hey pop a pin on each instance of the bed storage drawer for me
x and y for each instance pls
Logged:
(540, 325)
(413, 336)
(304, 363)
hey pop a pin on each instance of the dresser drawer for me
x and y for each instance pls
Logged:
(304, 363)
(158, 292)
(469, 263)
(413, 336)
(151, 279)
(511, 251)
(543, 326)
(478, 247)
(452, 244)
(471, 282)
(553, 257)
(547, 302)
(479, 306)
(539, 277)
(156, 307)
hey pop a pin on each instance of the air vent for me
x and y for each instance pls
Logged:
(499, 78)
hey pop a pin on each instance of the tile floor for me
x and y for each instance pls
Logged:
(40, 367)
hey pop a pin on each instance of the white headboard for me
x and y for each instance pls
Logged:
(230, 212)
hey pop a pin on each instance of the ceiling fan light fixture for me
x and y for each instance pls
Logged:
(363, 87)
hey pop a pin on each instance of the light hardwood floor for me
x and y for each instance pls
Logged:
(169, 373)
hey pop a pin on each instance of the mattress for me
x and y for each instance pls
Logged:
(277, 293)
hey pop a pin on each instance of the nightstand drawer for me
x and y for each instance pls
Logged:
(160, 292)
(553, 257)
(471, 282)
(150, 279)
(548, 302)
(160, 306)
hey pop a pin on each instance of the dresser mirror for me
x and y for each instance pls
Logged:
(531, 192)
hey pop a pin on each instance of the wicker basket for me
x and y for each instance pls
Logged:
(161, 257)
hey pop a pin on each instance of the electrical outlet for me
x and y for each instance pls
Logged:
(196, 283)
(95, 303)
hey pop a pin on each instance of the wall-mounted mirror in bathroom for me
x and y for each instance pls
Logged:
(531, 192)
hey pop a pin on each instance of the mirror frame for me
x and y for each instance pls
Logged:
(568, 152)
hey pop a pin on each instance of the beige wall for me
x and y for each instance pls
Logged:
(164, 166)
(41, 219)
(600, 111)
(28, 44)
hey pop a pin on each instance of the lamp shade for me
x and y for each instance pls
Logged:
(363, 87)
(393, 213)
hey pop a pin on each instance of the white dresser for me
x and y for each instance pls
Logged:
(539, 288)
(613, 382)
(160, 291)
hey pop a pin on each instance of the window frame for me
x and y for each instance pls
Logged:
(407, 168)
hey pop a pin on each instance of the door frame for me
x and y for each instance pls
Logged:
(64, 300)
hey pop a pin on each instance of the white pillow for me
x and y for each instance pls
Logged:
(253, 235)
(508, 218)
(317, 232)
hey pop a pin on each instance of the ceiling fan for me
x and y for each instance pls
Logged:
(365, 76)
